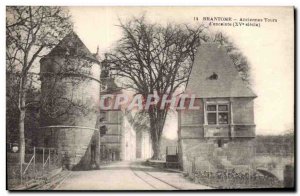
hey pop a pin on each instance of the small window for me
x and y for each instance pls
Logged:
(220, 143)
(223, 107)
(212, 118)
(103, 130)
(211, 107)
(214, 76)
(103, 116)
(223, 118)
(217, 114)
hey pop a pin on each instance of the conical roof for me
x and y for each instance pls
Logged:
(214, 75)
(72, 45)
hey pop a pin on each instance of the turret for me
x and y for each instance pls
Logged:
(70, 88)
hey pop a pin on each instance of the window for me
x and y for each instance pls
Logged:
(217, 114)
(212, 118)
(220, 143)
(103, 116)
(214, 76)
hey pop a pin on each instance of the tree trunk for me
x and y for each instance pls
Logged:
(156, 150)
(22, 136)
(22, 121)
(157, 121)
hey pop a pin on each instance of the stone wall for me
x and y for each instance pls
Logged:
(70, 111)
(233, 153)
(236, 147)
(73, 144)
(243, 111)
(68, 99)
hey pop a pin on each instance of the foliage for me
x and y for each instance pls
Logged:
(152, 58)
(31, 31)
(236, 180)
(239, 60)
(275, 144)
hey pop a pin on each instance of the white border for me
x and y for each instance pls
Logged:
(3, 3)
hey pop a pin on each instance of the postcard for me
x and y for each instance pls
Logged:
(150, 98)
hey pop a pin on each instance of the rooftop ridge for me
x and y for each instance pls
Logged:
(73, 45)
(214, 75)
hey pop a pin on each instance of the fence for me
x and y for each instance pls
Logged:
(39, 162)
(42, 161)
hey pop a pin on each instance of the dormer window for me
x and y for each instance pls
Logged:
(214, 76)
(103, 87)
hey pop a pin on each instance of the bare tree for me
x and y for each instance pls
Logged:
(139, 120)
(155, 59)
(30, 33)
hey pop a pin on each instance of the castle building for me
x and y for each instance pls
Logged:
(119, 140)
(70, 110)
(221, 133)
(73, 81)
(117, 136)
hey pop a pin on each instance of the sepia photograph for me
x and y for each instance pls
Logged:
(120, 98)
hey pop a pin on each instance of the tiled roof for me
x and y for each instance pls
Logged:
(214, 74)
(71, 44)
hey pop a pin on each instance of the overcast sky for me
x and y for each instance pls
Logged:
(269, 49)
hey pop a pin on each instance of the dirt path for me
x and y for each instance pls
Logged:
(127, 176)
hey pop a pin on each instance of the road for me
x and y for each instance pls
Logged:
(127, 176)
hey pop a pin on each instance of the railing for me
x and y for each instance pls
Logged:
(40, 165)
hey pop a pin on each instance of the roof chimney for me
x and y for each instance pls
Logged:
(97, 50)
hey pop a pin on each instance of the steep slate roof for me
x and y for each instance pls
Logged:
(72, 45)
(212, 61)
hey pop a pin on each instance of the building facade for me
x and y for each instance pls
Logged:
(119, 140)
(143, 145)
(221, 133)
(118, 137)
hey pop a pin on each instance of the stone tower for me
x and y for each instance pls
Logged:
(70, 88)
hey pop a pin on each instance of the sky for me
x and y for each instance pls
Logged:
(269, 49)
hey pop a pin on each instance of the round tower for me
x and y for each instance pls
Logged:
(70, 89)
